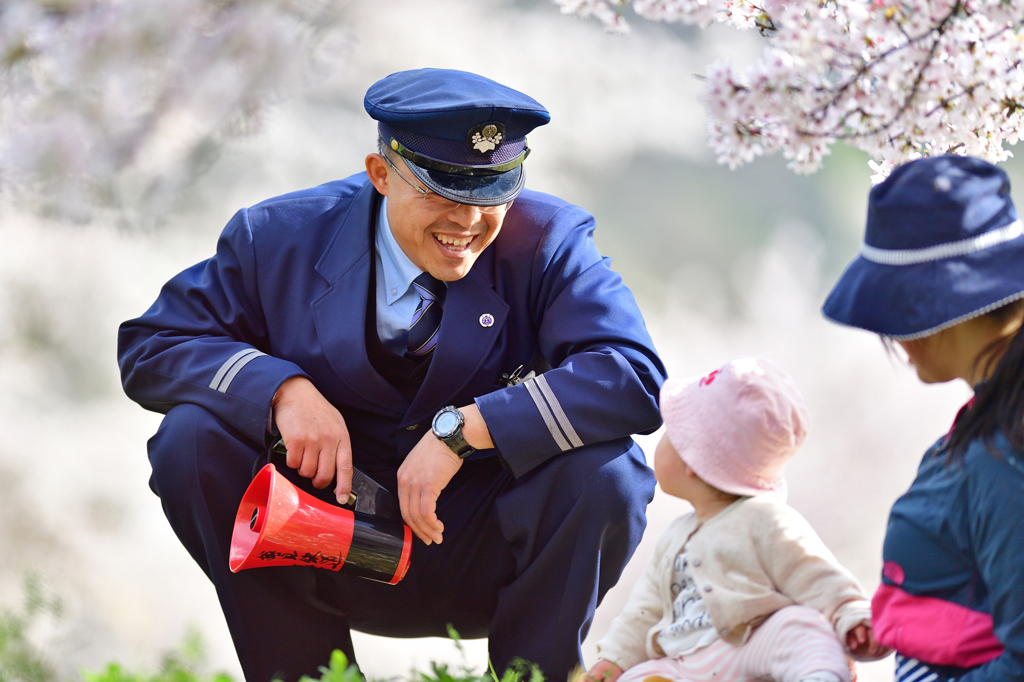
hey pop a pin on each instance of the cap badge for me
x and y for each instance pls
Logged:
(486, 137)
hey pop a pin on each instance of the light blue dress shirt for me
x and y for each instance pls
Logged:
(396, 297)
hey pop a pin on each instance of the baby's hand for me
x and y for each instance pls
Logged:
(602, 671)
(861, 642)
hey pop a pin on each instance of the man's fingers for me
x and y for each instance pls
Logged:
(315, 434)
(417, 511)
(405, 504)
(324, 467)
(294, 457)
(343, 469)
(428, 516)
(429, 523)
(422, 527)
(421, 532)
(310, 456)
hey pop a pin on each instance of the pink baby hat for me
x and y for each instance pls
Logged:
(737, 427)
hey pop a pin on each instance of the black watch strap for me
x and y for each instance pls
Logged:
(459, 445)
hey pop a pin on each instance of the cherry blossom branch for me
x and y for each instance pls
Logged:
(863, 71)
(110, 103)
(818, 81)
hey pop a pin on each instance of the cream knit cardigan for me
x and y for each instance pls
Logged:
(753, 558)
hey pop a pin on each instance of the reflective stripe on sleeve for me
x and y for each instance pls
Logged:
(545, 412)
(233, 365)
(556, 407)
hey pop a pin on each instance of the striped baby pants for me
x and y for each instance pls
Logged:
(792, 644)
(913, 670)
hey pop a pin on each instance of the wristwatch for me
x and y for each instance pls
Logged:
(447, 427)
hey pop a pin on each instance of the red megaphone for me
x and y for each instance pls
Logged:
(279, 525)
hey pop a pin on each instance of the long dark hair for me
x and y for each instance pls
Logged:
(998, 404)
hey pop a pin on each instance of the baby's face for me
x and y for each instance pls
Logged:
(673, 475)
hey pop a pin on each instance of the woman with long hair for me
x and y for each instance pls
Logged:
(941, 274)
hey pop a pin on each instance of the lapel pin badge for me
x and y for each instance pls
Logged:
(487, 320)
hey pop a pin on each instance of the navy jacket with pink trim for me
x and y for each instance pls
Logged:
(952, 590)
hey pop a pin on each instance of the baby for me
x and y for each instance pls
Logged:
(741, 588)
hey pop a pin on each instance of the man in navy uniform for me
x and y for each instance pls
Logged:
(385, 321)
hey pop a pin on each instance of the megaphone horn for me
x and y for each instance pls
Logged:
(279, 525)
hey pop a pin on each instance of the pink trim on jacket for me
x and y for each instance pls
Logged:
(933, 630)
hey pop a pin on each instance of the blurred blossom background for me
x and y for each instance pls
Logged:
(131, 131)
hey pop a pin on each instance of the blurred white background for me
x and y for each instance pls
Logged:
(724, 264)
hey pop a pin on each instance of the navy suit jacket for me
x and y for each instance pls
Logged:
(286, 295)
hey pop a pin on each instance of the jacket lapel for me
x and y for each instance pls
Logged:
(464, 340)
(340, 313)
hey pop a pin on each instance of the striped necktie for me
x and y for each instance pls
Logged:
(426, 320)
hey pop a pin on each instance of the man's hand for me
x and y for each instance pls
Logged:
(427, 470)
(602, 671)
(315, 435)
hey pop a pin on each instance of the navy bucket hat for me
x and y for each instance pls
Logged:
(943, 245)
(462, 135)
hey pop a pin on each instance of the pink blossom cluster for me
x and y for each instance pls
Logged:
(899, 79)
(120, 101)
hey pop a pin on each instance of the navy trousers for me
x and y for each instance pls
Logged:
(524, 562)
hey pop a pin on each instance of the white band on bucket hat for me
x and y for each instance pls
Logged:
(941, 251)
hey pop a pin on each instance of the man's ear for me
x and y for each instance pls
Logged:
(377, 169)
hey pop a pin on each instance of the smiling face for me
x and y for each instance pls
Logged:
(444, 241)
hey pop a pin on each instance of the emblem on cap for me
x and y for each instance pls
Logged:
(487, 320)
(486, 137)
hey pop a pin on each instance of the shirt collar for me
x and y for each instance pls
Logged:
(399, 270)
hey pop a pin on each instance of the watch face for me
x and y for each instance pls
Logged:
(446, 423)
